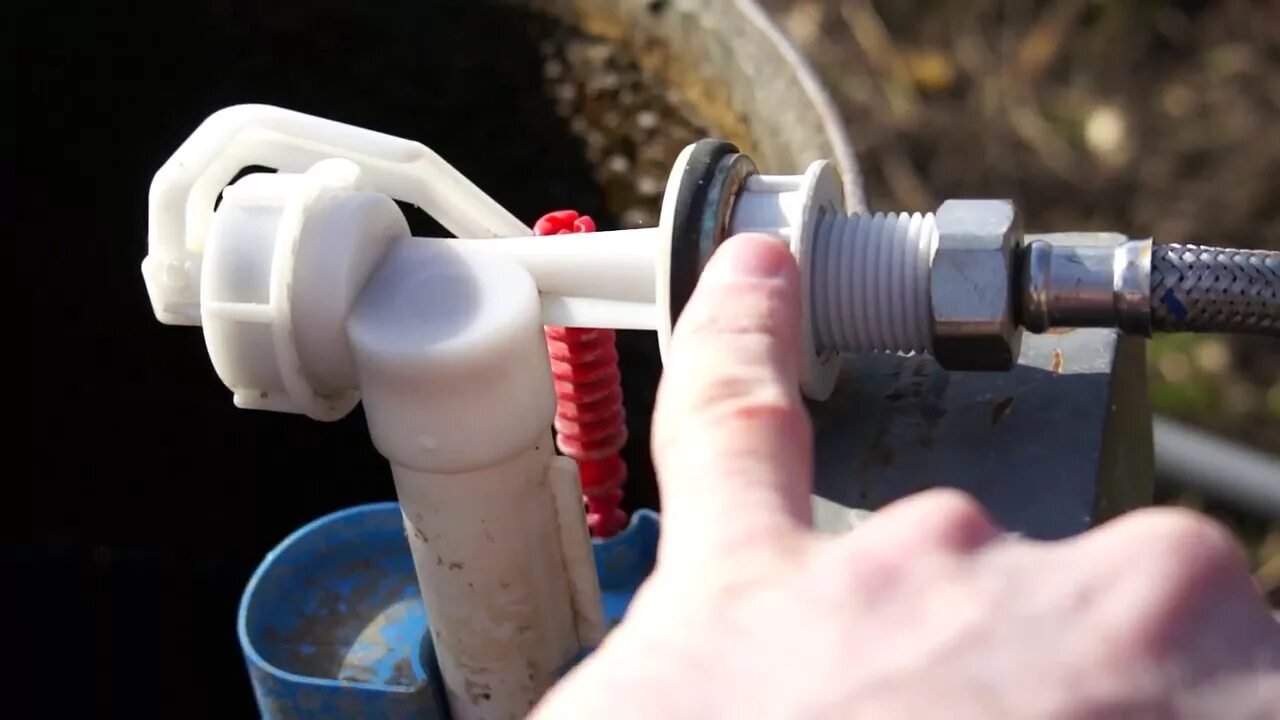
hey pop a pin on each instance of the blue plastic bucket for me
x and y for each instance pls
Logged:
(332, 623)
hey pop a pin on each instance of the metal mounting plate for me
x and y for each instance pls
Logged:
(1058, 444)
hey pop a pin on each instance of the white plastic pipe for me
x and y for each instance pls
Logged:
(612, 265)
(496, 589)
(456, 383)
(595, 280)
(589, 313)
(315, 296)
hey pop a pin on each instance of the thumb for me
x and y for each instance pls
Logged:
(731, 437)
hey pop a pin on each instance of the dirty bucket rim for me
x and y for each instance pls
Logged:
(819, 94)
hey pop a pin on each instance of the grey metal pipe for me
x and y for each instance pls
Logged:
(1216, 467)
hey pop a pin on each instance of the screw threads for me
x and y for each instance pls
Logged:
(590, 418)
(870, 282)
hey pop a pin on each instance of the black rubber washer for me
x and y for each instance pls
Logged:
(695, 231)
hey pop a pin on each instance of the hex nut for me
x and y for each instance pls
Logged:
(972, 285)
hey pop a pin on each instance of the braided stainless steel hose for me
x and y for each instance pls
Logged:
(1195, 288)
(936, 282)
(1143, 288)
(962, 283)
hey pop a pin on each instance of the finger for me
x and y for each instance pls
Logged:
(1184, 537)
(731, 438)
(1173, 572)
(938, 519)
(926, 529)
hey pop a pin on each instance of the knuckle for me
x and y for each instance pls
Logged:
(1180, 565)
(744, 371)
(758, 314)
(744, 395)
(952, 521)
(911, 539)
(723, 323)
(725, 400)
(874, 576)
(1183, 541)
(716, 346)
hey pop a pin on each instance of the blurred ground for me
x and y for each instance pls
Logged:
(1154, 118)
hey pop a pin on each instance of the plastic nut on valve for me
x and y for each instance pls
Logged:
(285, 257)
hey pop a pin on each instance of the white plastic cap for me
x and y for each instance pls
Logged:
(452, 359)
(285, 256)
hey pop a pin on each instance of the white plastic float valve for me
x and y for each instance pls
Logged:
(453, 367)
(630, 279)
(313, 295)
(184, 189)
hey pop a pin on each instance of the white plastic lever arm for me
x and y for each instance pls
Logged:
(600, 280)
(185, 188)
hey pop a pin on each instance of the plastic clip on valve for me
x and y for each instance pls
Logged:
(590, 420)
(185, 188)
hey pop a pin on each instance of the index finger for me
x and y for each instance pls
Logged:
(731, 437)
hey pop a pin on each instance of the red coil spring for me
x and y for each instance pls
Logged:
(590, 420)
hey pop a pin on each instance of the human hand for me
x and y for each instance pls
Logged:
(926, 609)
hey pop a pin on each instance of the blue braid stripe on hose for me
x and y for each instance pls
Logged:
(1196, 288)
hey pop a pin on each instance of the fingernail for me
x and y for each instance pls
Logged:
(752, 256)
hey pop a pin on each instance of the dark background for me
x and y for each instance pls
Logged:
(152, 497)
(148, 499)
